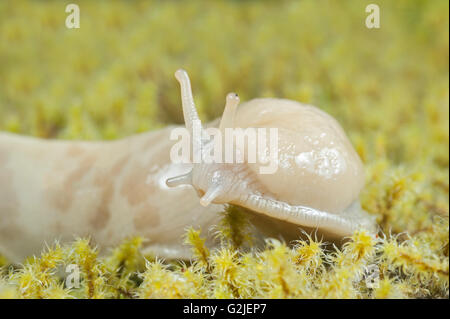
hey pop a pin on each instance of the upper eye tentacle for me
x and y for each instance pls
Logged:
(187, 100)
(191, 121)
(227, 120)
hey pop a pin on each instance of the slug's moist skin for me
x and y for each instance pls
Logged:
(57, 190)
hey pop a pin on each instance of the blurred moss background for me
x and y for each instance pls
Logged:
(113, 77)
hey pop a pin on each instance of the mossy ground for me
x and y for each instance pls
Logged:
(113, 77)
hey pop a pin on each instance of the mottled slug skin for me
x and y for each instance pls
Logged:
(57, 190)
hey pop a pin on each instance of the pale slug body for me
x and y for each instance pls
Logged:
(56, 190)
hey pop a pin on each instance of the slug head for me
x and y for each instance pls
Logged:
(318, 174)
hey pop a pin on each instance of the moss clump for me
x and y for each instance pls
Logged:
(365, 267)
(113, 77)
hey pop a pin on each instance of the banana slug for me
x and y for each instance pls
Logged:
(55, 190)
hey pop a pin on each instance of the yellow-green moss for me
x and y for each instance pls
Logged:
(113, 77)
